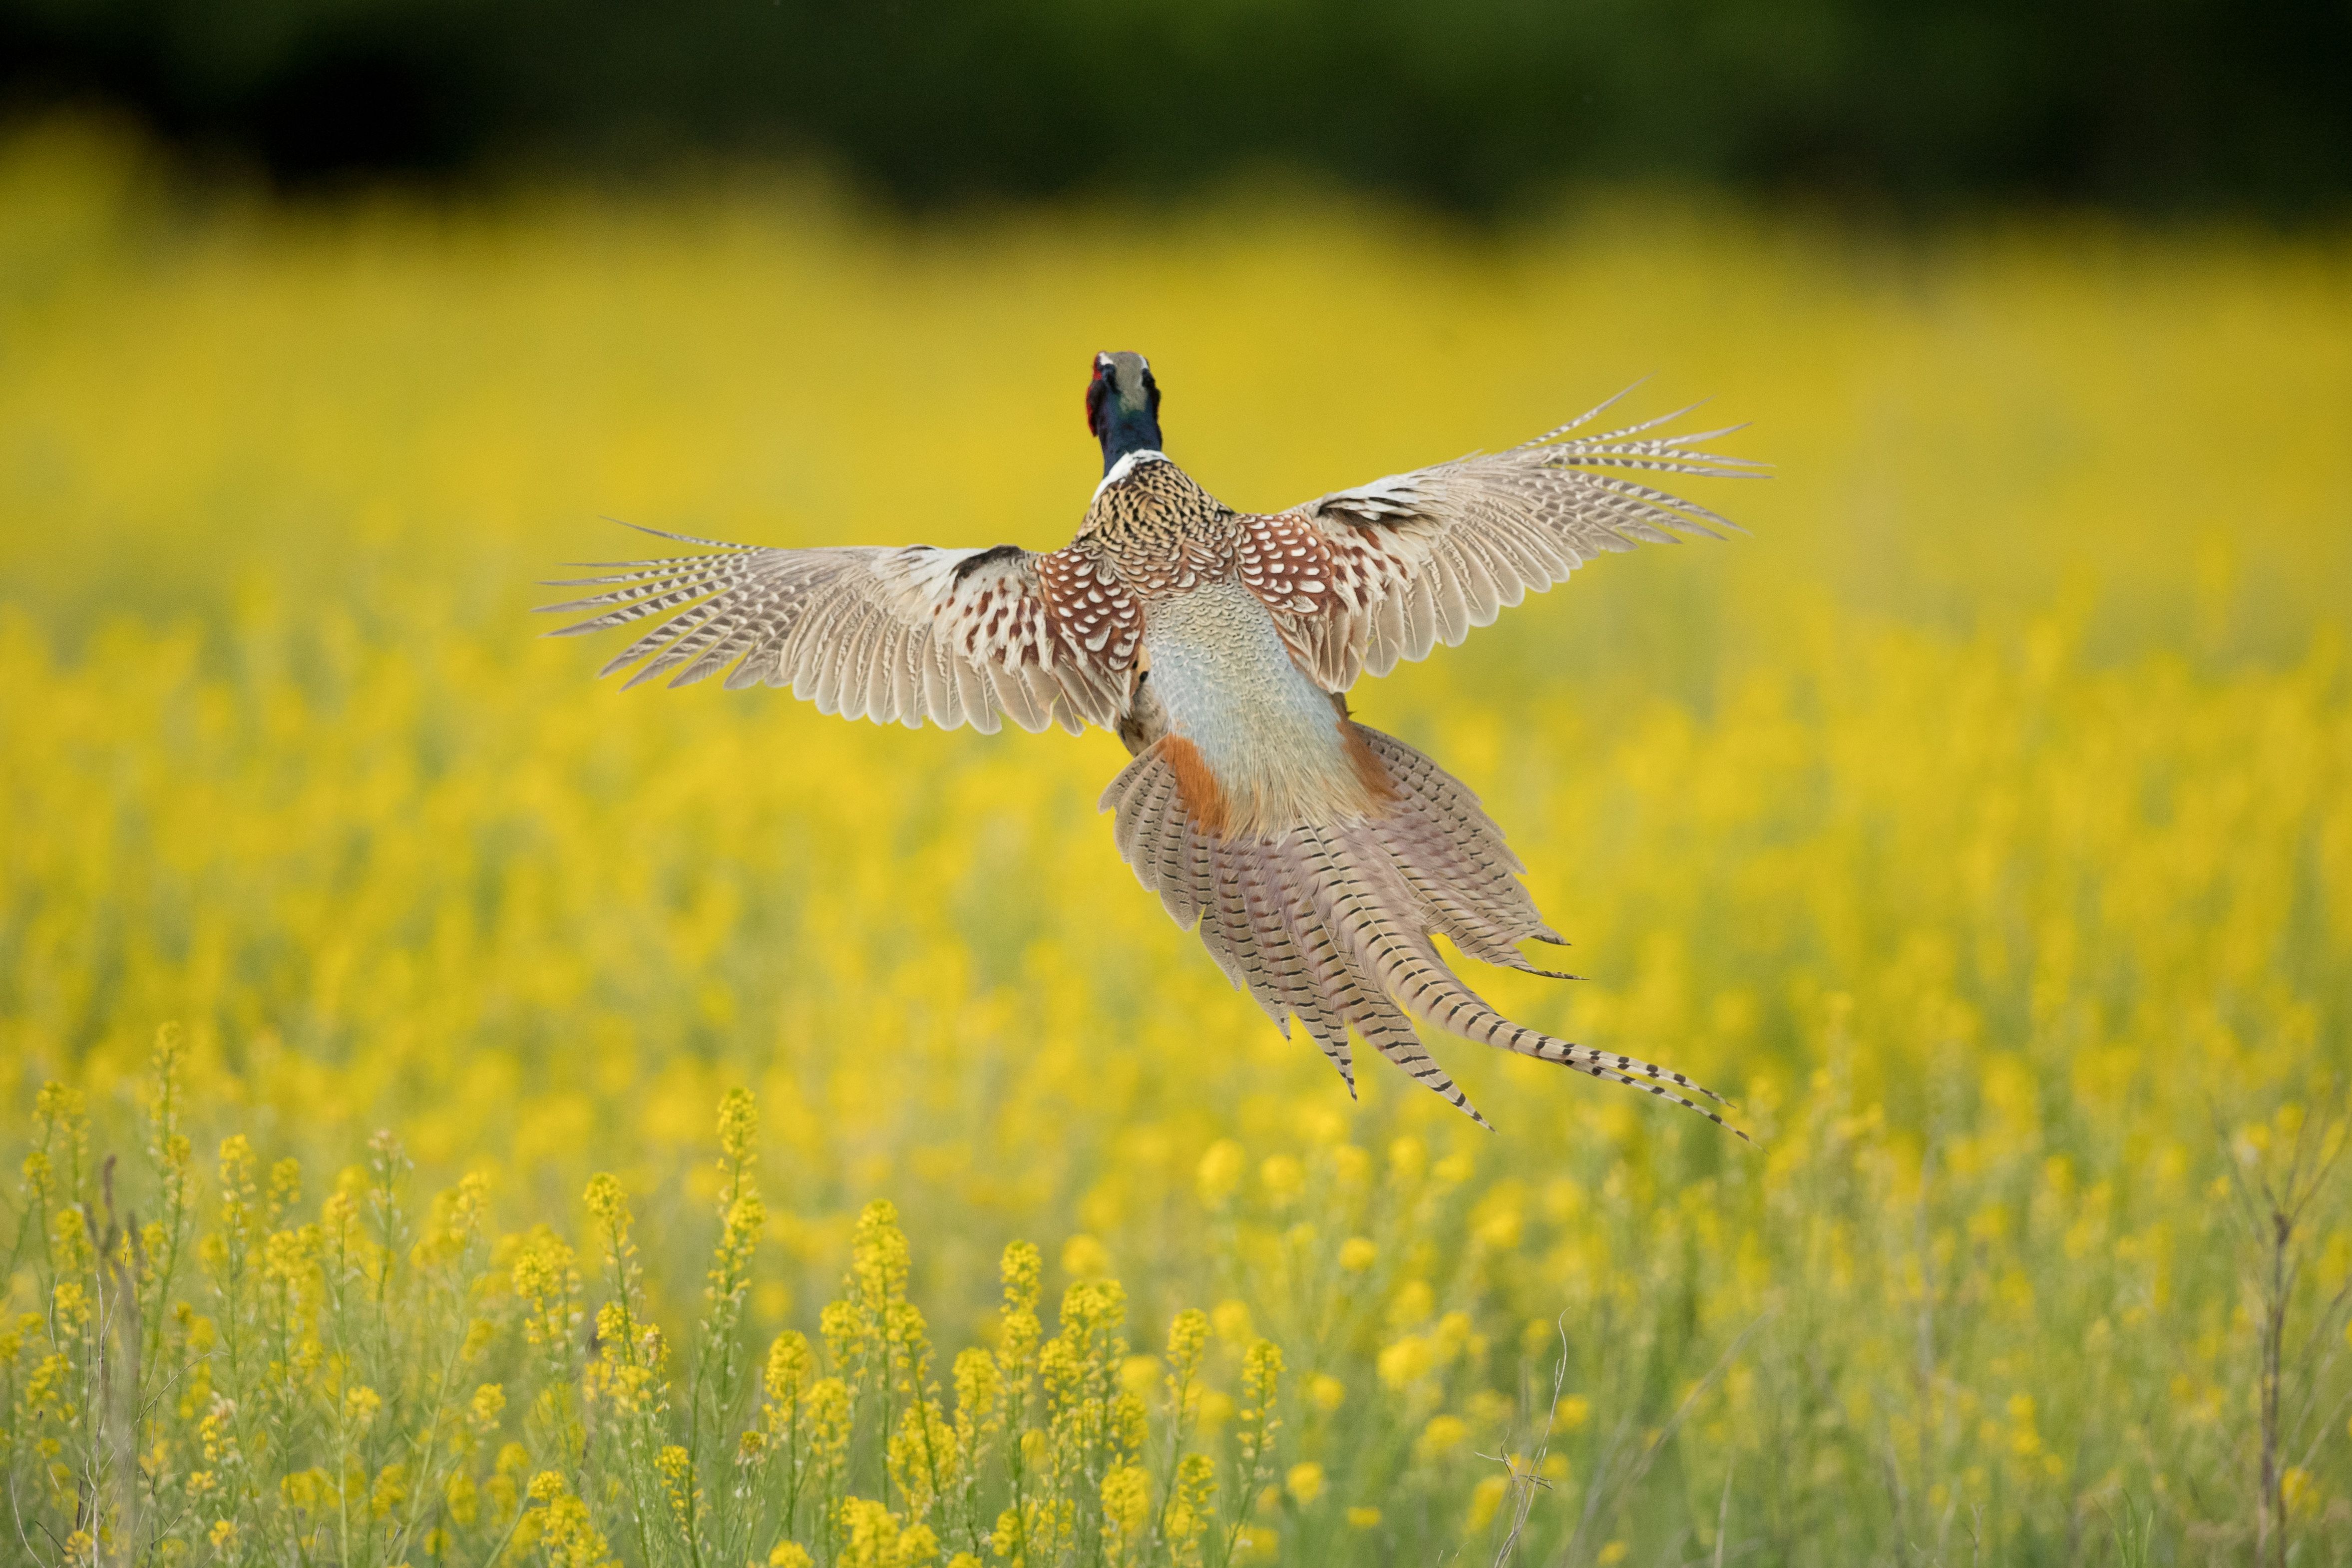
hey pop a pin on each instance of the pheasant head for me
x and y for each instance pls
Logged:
(1123, 406)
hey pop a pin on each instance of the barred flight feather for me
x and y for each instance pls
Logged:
(1419, 558)
(899, 636)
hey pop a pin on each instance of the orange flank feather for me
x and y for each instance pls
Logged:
(1380, 791)
(1206, 806)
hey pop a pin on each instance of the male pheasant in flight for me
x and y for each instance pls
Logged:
(1317, 855)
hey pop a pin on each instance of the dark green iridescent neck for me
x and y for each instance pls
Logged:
(1125, 430)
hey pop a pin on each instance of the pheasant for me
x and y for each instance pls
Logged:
(1317, 857)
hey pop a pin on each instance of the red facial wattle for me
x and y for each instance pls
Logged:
(1094, 390)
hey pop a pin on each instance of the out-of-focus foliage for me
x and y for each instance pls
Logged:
(1982, 821)
(1474, 103)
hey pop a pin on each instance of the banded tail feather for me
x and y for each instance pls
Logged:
(1331, 924)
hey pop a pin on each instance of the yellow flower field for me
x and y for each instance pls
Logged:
(469, 1115)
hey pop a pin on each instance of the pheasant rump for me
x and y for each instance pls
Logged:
(1317, 856)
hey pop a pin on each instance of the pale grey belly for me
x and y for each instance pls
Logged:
(1230, 686)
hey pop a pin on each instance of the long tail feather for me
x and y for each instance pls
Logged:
(1331, 925)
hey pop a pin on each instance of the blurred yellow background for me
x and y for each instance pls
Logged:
(1981, 820)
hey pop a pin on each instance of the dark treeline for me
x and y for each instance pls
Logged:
(2155, 105)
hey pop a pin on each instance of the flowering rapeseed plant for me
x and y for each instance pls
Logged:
(1981, 823)
(155, 1420)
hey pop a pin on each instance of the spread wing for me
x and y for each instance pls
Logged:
(956, 637)
(1365, 577)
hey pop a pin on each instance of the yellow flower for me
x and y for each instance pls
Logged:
(1083, 1258)
(1304, 1482)
(1326, 1393)
(1412, 1305)
(1441, 1437)
(1500, 1227)
(738, 1125)
(1363, 1517)
(1221, 1170)
(1261, 1372)
(1138, 1374)
(1406, 1362)
(1284, 1178)
(606, 1201)
(390, 1490)
(489, 1402)
(1611, 1552)
(1231, 1321)
(1358, 1254)
(1126, 1495)
(872, 1537)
